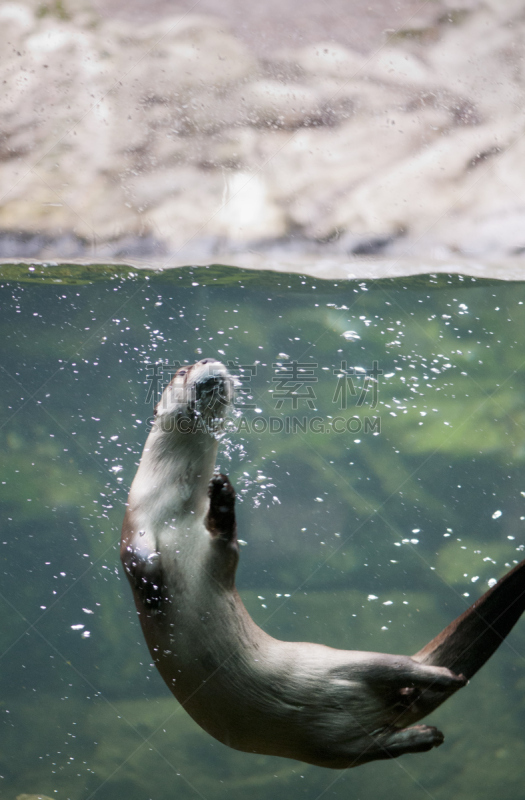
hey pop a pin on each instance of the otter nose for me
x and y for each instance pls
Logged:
(207, 387)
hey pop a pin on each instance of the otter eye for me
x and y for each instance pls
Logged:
(182, 372)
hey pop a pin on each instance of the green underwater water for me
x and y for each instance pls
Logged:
(372, 526)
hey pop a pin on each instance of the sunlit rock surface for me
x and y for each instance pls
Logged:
(173, 140)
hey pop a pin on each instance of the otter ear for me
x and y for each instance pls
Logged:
(220, 520)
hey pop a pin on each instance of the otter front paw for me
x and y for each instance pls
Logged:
(145, 573)
(220, 520)
(221, 494)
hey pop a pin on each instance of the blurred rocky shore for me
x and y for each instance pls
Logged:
(173, 140)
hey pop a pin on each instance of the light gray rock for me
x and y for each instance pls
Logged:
(173, 138)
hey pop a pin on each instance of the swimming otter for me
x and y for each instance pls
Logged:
(328, 707)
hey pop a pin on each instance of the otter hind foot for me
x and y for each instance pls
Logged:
(417, 739)
(220, 520)
(399, 673)
(388, 742)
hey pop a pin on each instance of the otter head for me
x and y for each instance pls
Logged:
(171, 486)
(197, 399)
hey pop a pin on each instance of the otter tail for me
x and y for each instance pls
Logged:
(469, 641)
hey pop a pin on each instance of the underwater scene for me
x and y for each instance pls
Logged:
(377, 448)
